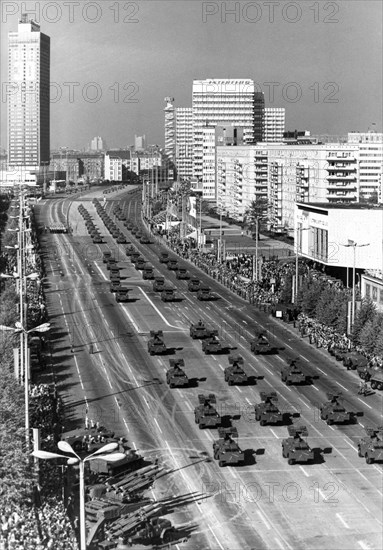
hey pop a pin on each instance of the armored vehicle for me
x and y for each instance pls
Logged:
(353, 360)
(226, 450)
(234, 374)
(122, 295)
(204, 293)
(260, 344)
(371, 447)
(194, 284)
(296, 449)
(376, 379)
(292, 374)
(140, 528)
(115, 285)
(333, 412)
(148, 272)
(199, 330)
(159, 283)
(172, 265)
(134, 256)
(140, 263)
(156, 344)
(129, 250)
(115, 279)
(121, 239)
(211, 344)
(164, 258)
(138, 234)
(176, 376)
(145, 239)
(267, 412)
(205, 415)
(111, 262)
(80, 439)
(114, 271)
(182, 273)
(168, 294)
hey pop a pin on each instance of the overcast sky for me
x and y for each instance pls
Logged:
(326, 58)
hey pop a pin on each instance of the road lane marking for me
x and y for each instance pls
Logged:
(344, 523)
(305, 358)
(102, 273)
(322, 371)
(262, 517)
(339, 384)
(274, 434)
(157, 310)
(315, 388)
(130, 319)
(304, 471)
(158, 426)
(364, 403)
(215, 536)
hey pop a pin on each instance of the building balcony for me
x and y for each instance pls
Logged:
(341, 176)
(340, 158)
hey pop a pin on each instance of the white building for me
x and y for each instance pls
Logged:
(224, 102)
(170, 143)
(97, 144)
(323, 230)
(28, 96)
(184, 142)
(242, 175)
(139, 143)
(372, 287)
(309, 173)
(274, 124)
(370, 162)
(114, 161)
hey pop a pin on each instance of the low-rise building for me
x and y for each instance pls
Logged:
(340, 235)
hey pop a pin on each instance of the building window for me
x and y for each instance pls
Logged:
(375, 293)
(368, 290)
(381, 296)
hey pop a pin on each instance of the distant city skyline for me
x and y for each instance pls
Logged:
(109, 77)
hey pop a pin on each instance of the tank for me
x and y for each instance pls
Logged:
(199, 330)
(175, 375)
(172, 265)
(260, 344)
(226, 450)
(234, 373)
(158, 284)
(156, 345)
(168, 294)
(204, 293)
(148, 272)
(296, 449)
(122, 295)
(164, 258)
(205, 415)
(333, 412)
(292, 374)
(194, 284)
(267, 412)
(182, 273)
(211, 344)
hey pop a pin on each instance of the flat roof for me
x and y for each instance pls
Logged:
(341, 205)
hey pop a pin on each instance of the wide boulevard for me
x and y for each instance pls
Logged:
(334, 503)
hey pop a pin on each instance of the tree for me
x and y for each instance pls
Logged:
(378, 349)
(370, 332)
(366, 312)
(256, 212)
(309, 295)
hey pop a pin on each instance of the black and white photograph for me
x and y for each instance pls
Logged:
(191, 275)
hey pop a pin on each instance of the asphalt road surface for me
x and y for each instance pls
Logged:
(335, 503)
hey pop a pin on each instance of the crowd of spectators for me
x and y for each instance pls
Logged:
(38, 519)
(236, 273)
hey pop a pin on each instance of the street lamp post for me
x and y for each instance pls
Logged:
(75, 459)
(354, 246)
